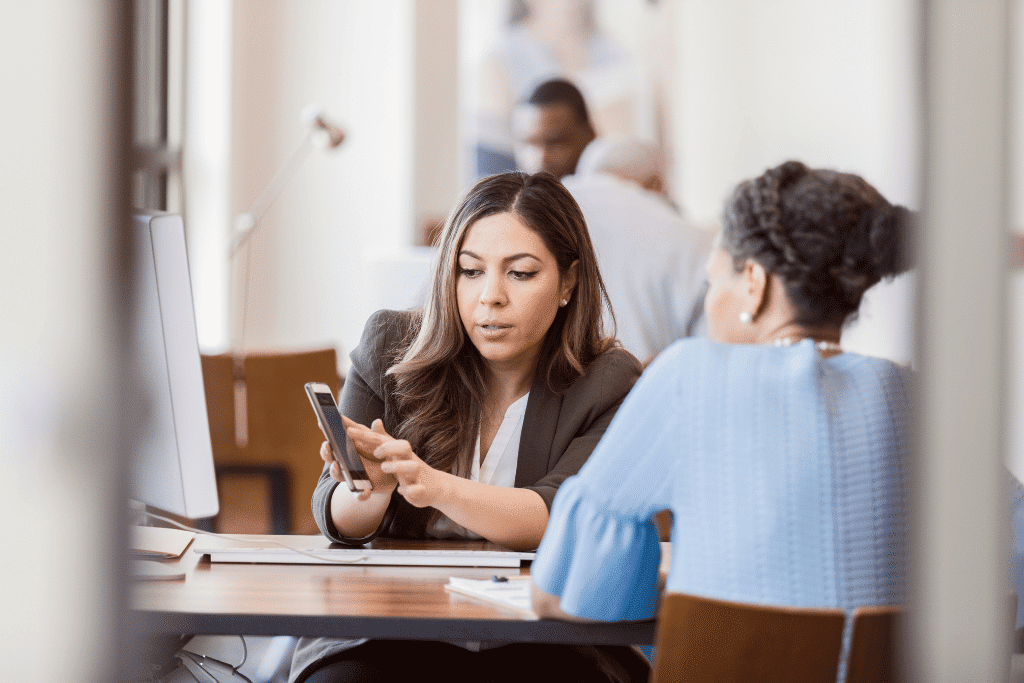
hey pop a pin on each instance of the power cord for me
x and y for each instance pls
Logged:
(187, 666)
(245, 654)
(202, 668)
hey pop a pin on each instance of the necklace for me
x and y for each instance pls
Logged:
(820, 344)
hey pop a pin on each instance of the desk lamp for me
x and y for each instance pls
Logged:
(320, 133)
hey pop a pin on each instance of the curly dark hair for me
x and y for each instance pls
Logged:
(828, 235)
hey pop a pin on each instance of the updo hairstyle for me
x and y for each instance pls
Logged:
(829, 236)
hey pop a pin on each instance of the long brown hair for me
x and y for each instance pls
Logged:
(439, 381)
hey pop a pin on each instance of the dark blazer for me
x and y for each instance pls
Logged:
(559, 430)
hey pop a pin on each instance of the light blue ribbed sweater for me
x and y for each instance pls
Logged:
(785, 473)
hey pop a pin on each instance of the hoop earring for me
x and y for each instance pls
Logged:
(746, 318)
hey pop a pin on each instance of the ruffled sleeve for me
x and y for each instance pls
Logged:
(600, 552)
(603, 565)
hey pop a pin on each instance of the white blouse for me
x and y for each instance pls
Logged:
(497, 469)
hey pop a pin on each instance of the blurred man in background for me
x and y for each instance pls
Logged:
(552, 128)
(652, 259)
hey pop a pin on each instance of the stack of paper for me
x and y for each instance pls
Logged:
(158, 542)
(512, 594)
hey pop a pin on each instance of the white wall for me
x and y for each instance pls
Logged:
(355, 60)
(436, 163)
(1015, 412)
(59, 491)
(833, 84)
(749, 84)
(830, 83)
(207, 163)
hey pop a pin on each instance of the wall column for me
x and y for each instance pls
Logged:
(958, 617)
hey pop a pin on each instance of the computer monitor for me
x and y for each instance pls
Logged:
(173, 465)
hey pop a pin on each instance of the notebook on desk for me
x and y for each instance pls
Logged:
(428, 557)
(158, 543)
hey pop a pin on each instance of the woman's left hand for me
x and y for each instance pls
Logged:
(418, 482)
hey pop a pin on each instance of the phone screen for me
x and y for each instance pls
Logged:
(341, 444)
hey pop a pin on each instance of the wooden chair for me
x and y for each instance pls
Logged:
(275, 474)
(664, 521)
(872, 647)
(873, 644)
(872, 651)
(700, 639)
(705, 640)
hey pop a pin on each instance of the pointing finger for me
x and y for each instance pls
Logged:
(394, 450)
(398, 467)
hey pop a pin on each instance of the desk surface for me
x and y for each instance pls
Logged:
(348, 602)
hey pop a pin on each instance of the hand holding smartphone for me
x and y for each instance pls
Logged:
(322, 398)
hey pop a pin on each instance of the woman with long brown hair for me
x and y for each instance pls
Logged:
(469, 414)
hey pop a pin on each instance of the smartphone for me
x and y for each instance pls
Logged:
(322, 398)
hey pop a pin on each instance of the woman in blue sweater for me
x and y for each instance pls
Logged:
(781, 457)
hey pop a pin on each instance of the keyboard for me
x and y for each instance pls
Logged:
(369, 556)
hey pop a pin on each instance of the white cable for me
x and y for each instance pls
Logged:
(244, 539)
(195, 669)
(198, 660)
(245, 654)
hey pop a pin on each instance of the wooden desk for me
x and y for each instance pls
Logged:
(348, 602)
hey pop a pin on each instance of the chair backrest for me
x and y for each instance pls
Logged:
(703, 640)
(872, 648)
(282, 428)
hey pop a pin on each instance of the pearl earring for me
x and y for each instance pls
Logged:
(564, 302)
(746, 318)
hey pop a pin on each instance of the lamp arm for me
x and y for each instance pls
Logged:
(330, 137)
(245, 223)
